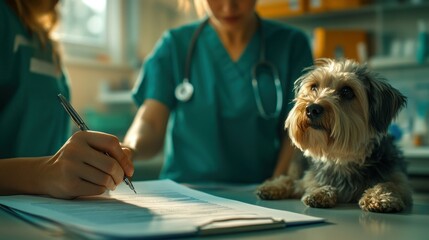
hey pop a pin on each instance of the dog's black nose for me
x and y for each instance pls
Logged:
(314, 111)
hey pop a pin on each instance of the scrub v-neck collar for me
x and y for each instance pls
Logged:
(241, 67)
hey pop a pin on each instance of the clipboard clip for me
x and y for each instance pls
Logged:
(239, 224)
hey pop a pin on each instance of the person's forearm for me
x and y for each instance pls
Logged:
(286, 154)
(146, 134)
(23, 176)
(143, 142)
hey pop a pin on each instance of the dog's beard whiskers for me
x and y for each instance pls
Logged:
(296, 125)
(327, 99)
(350, 136)
(316, 144)
(296, 121)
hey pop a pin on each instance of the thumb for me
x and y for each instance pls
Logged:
(129, 169)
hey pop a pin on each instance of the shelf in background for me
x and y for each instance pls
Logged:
(396, 63)
(367, 9)
(417, 160)
(91, 63)
(416, 152)
(116, 97)
(109, 96)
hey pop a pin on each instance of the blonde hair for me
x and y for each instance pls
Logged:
(40, 25)
(197, 5)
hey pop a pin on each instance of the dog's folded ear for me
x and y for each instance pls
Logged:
(384, 101)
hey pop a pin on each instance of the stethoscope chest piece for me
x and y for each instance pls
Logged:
(184, 91)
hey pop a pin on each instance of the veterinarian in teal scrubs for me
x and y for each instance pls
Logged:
(36, 156)
(218, 135)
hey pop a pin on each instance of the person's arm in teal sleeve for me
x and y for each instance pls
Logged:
(154, 94)
(156, 78)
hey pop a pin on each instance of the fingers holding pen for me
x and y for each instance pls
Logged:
(109, 157)
(93, 175)
(82, 167)
(99, 150)
(110, 144)
(106, 166)
(127, 162)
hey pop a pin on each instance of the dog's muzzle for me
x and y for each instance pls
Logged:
(314, 111)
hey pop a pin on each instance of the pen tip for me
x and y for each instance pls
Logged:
(130, 184)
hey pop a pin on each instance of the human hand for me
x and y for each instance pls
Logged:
(89, 163)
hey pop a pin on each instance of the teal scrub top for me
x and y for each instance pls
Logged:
(32, 121)
(218, 136)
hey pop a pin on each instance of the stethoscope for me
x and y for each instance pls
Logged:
(185, 90)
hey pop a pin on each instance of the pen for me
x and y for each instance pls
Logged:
(82, 126)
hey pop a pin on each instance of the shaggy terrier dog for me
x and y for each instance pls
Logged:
(340, 119)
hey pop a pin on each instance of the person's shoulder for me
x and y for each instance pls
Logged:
(184, 31)
(175, 39)
(278, 29)
(180, 36)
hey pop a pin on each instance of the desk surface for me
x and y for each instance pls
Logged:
(343, 222)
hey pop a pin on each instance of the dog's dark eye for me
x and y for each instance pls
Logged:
(313, 87)
(347, 93)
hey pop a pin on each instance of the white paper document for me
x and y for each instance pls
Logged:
(162, 208)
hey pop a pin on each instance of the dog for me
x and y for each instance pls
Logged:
(340, 122)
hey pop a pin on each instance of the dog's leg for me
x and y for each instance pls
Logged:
(282, 187)
(320, 197)
(387, 197)
(316, 195)
(383, 197)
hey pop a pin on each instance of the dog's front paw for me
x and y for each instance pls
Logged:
(379, 199)
(278, 188)
(323, 197)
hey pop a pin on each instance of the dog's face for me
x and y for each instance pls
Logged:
(341, 109)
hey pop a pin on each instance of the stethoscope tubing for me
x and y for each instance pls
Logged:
(185, 89)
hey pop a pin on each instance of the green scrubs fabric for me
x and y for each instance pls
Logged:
(219, 135)
(32, 121)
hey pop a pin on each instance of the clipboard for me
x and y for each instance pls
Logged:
(239, 224)
(161, 209)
